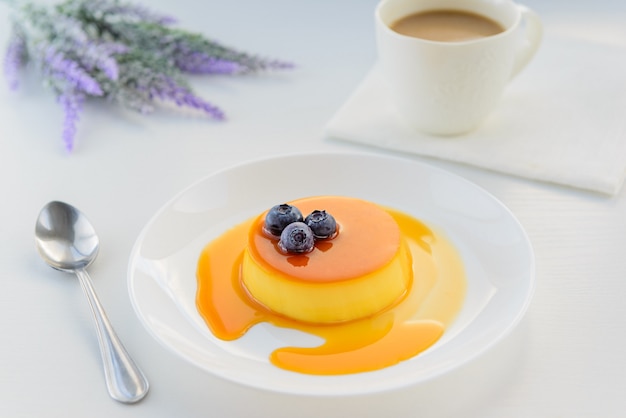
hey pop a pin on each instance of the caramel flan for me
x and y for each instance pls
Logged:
(365, 268)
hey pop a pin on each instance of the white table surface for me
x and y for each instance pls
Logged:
(566, 359)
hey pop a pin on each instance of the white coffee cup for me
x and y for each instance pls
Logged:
(448, 88)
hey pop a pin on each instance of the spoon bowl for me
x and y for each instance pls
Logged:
(67, 241)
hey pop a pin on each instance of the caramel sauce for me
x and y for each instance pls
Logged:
(397, 333)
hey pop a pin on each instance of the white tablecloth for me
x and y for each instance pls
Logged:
(566, 359)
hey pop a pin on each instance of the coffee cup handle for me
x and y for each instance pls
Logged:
(533, 33)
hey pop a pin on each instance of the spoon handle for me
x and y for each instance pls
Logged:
(125, 381)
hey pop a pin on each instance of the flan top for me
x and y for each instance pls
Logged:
(368, 238)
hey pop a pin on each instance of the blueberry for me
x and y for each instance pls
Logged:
(322, 224)
(297, 237)
(280, 216)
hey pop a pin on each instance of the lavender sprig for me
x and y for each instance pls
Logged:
(146, 78)
(122, 52)
(67, 75)
(72, 103)
(14, 60)
(191, 52)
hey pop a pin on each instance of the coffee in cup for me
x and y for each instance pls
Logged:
(447, 26)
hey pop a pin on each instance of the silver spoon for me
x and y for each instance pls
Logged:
(68, 242)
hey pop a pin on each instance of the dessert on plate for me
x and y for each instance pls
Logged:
(377, 285)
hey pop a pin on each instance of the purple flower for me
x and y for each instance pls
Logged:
(167, 89)
(201, 63)
(13, 60)
(194, 60)
(189, 99)
(72, 105)
(101, 56)
(57, 65)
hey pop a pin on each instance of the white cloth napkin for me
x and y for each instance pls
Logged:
(562, 120)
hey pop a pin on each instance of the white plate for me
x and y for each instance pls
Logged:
(495, 250)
